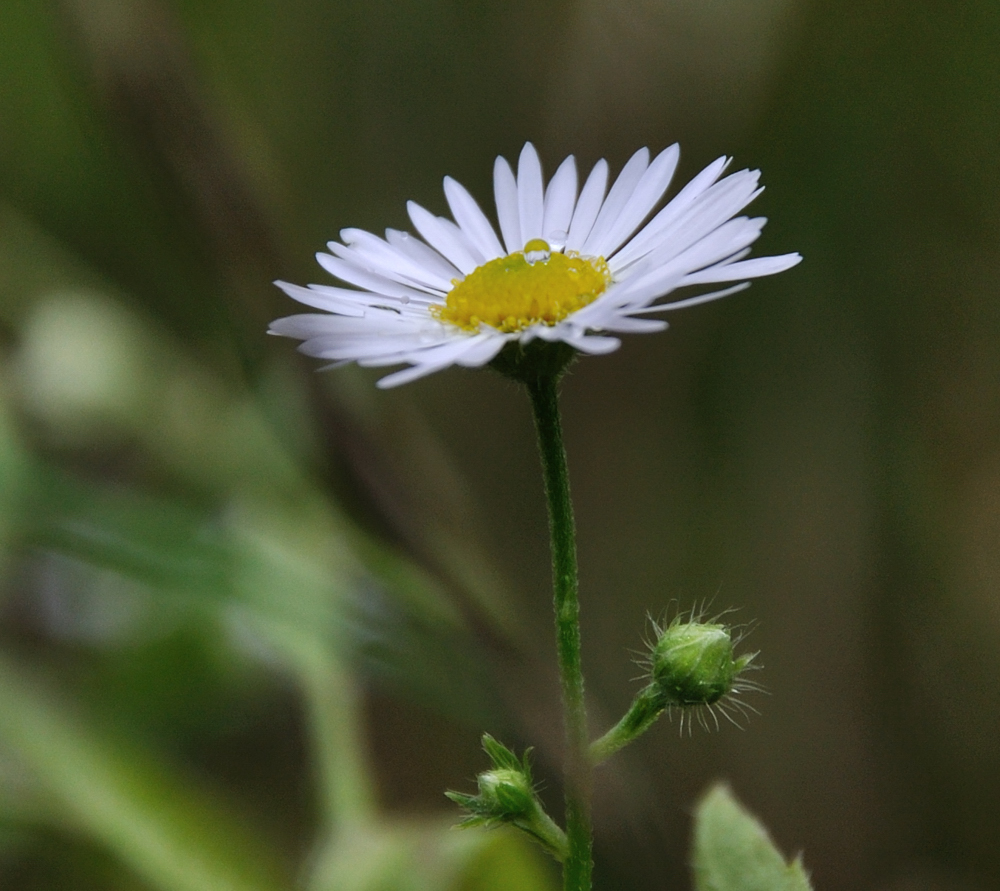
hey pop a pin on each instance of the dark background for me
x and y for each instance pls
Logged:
(821, 451)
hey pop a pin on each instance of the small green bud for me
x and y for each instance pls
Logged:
(693, 663)
(507, 795)
(691, 667)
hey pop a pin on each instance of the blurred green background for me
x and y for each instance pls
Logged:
(253, 619)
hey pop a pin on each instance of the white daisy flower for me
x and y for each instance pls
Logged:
(570, 266)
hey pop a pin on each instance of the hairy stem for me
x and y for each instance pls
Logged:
(647, 706)
(578, 864)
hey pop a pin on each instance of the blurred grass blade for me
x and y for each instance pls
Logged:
(415, 856)
(168, 832)
(733, 852)
(159, 541)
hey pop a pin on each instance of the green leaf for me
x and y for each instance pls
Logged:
(733, 852)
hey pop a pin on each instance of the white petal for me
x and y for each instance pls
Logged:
(530, 199)
(380, 322)
(483, 350)
(435, 358)
(408, 375)
(717, 245)
(646, 196)
(386, 350)
(593, 344)
(588, 207)
(739, 255)
(550, 333)
(376, 327)
(375, 351)
(637, 293)
(693, 301)
(302, 326)
(376, 284)
(708, 212)
(329, 299)
(621, 324)
(755, 268)
(617, 198)
(425, 256)
(652, 231)
(330, 366)
(458, 233)
(339, 337)
(447, 348)
(471, 218)
(379, 256)
(442, 239)
(505, 193)
(560, 199)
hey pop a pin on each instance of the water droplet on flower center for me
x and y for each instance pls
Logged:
(536, 251)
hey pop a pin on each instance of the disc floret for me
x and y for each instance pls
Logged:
(534, 286)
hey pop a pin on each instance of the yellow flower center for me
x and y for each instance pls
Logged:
(525, 288)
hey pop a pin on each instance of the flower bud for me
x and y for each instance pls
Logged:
(692, 669)
(693, 663)
(506, 794)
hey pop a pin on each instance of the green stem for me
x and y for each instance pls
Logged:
(545, 402)
(647, 706)
(546, 832)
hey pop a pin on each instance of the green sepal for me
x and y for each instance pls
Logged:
(504, 759)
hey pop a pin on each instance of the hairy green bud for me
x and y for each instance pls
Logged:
(692, 668)
(693, 663)
(507, 795)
